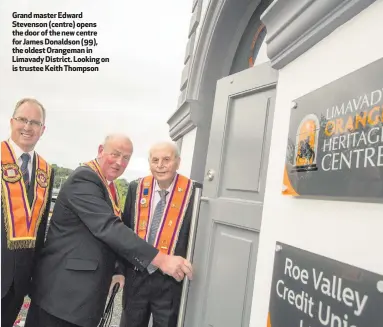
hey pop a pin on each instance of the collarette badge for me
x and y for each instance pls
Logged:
(11, 173)
(164, 245)
(142, 225)
(41, 178)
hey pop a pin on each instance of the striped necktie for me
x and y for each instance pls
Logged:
(25, 157)
(156, 221)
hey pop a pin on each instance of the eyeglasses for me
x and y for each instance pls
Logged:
(33, 123)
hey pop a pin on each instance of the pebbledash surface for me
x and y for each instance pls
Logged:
(115, 318)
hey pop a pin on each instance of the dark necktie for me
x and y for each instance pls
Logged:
(25, 157)
(156, 221)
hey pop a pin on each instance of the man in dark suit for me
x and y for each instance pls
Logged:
(85, 238)
(26, 189)
(159, 209)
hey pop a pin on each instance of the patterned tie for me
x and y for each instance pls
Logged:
(25, 157)
(156, 221)
(113, 191)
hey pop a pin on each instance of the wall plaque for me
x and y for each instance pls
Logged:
(335, 141)
(309, 290)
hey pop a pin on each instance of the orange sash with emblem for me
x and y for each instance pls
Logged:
(174, 212)
(22, 220)
(96, 168)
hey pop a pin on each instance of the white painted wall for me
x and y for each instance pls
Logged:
(187, 150)
(345, 231)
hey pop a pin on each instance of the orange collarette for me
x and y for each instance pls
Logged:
(174, 213)
(21, 219)
(96, 168)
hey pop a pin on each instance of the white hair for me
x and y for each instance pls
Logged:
(166, 144)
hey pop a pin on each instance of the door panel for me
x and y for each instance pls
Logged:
(244, 141)
(230, 213)
(239, 213)
(239, 246)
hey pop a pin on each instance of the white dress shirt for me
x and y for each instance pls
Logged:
(18, 152)
(156, 195)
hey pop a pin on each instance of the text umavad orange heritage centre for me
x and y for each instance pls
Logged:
(361, 133)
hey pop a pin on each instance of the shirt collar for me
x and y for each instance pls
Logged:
(169, 189)
(18, 151)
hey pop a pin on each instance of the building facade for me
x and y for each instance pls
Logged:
(247, 65)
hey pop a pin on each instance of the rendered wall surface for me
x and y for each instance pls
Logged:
(187, 151)
(346, 231)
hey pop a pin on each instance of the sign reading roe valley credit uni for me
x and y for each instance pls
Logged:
(309, 290)
(335, 143)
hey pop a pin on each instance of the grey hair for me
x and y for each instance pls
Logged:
(29, 100)
(169, 144)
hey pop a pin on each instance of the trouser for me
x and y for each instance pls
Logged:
(37, 317)
(144, 295)
(11, 304)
